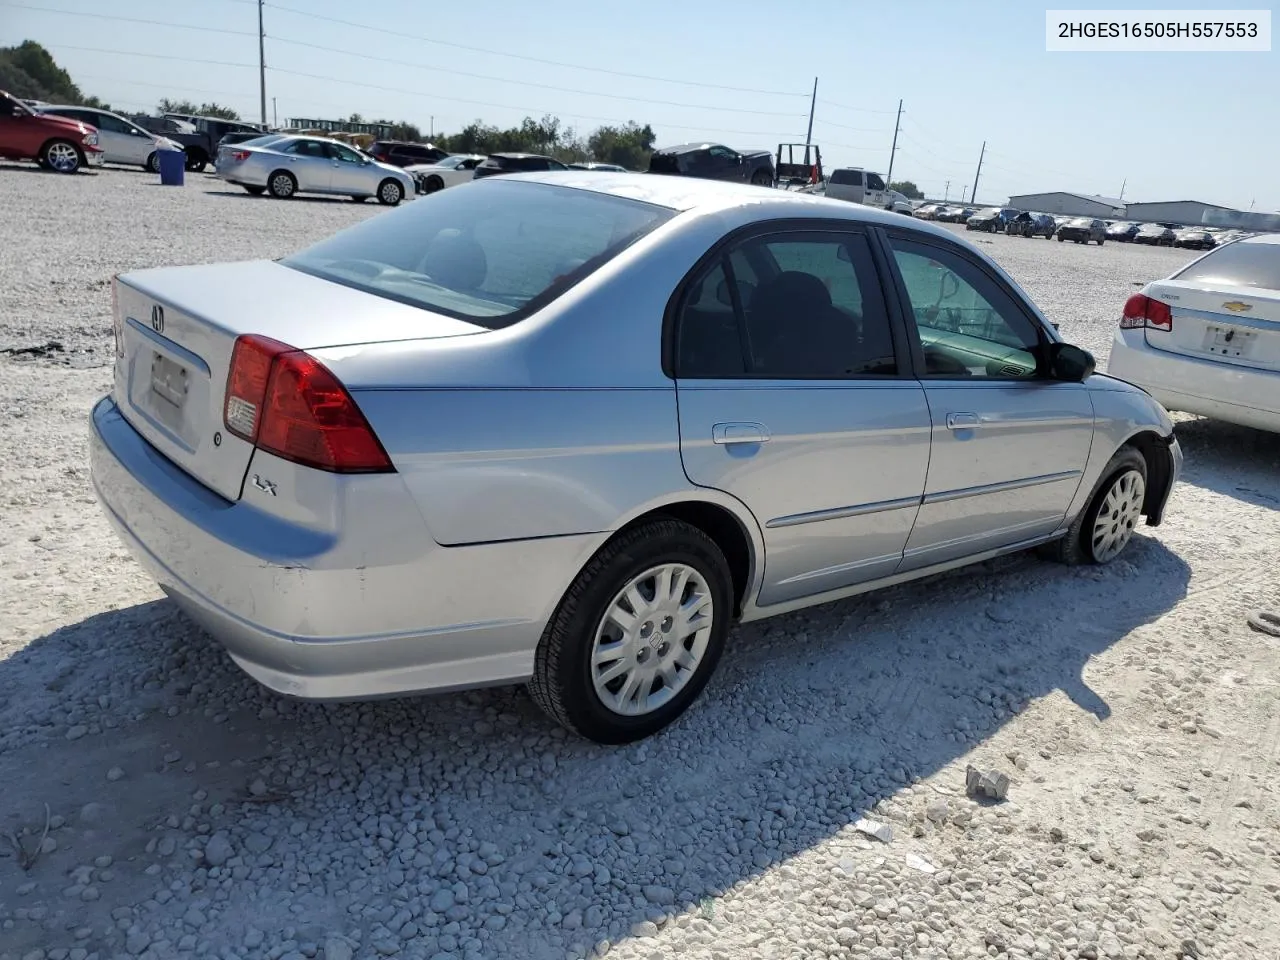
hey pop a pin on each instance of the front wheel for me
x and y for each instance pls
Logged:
(637, 635)
(153, 162)
(1105, 526)
(1101, 241)
(62, 156)
(390, 193)
(432, 184)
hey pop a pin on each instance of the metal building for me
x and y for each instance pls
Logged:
(1189, 212)
(1069, 204)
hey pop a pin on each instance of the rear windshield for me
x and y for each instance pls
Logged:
(664, 163)
(1080, 222)
(1238, 265)
(490, 253)
(853, 177)
(261, 141)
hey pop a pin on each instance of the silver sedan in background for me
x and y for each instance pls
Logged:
(283, 166)
(566, 428)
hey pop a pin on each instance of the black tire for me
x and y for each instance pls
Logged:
(1061, 238)
(1077, 546)
(256, 191)
(282, 185)
(196, 161)
(153, 162)
(390, 192)
(61, 156)
(762, 178)
(432, 184)
(1101, 242)
(562, 684)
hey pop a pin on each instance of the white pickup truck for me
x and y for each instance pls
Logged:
(862, 186)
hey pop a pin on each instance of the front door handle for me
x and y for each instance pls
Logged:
(739, 433)
(962, 421)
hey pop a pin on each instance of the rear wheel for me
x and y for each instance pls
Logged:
(282, 185)
(1105, 526)
(637, 635)
(762, 178)
(196, 161)
(390, 193)
(1061, 238)
(62, 156)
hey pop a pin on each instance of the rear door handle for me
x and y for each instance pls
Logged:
(739, 433)
(962, 421)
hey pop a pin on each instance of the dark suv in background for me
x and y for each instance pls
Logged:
(516, 163)
(401, 154)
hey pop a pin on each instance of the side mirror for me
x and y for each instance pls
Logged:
(1070, 363)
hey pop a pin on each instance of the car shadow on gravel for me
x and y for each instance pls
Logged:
(1235, 461)
(294, 199)
(470, 819)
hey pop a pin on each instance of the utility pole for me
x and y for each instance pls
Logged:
(1124, 184)
(973, 197)
(964, 192)
(897, 125)
(808, 137)
(262, 66)
(433, 128)
(275, 117)
(946, 192)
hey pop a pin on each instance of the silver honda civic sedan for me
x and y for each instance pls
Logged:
(566, 428)
(284, 166)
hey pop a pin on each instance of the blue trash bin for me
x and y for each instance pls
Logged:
(173, 164)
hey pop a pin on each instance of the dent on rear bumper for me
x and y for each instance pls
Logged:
(331, 615)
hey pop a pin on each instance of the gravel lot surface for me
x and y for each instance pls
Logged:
(196, 815)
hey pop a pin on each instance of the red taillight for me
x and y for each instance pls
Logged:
(239, 156)
(1143, 311)
(290, 405)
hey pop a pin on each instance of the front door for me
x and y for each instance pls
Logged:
(350, 174)
(1009, 444)
(793, 399)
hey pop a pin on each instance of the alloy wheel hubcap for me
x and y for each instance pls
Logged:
(389, 193)
(1119, 514)
(283, 185)
(652, 639)
(62, 157)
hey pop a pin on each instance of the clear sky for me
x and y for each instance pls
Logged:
(1173, 125)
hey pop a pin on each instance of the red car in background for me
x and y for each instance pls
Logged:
(56, 143)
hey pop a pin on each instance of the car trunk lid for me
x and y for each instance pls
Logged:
(1230, 324)
(176, 329)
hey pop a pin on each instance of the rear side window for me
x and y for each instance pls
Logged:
(664, 163)
(850, 178)
(1238, 265)
(787, 307)
(490, 255)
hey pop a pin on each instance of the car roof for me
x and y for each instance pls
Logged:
(685, 194)
(1261, 238)
(507, 155)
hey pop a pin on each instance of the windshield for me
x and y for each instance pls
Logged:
(1080, 222)
(990, 212)
(490, 253)
(1238, 265)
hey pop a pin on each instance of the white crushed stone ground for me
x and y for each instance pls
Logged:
(196, 815)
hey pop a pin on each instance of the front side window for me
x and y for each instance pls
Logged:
(967, 325)
(104, 121)
(722, 153)
(874, 182)
(799, 306)
(344, 154)
(490, 255)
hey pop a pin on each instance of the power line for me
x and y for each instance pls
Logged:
(119, 19)
(528, 59)
(841, 106)
(508, 106)
(529, 83)
(56, 45)
(843, 126)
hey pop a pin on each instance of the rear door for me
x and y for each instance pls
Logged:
(1009, 444)
(311, 165)
(794, 398)
(1225, 307)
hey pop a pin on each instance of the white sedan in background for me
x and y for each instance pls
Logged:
(448, 172)
(287, 165)
(121, 140)
(1207, 339)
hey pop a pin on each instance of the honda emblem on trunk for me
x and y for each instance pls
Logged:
(157, 318)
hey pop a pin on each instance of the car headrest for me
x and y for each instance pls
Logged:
(456, 260)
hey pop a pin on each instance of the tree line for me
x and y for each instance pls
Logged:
(28, 71)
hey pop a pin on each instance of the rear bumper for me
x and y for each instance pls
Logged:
(1240, 395)
(332, 615)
